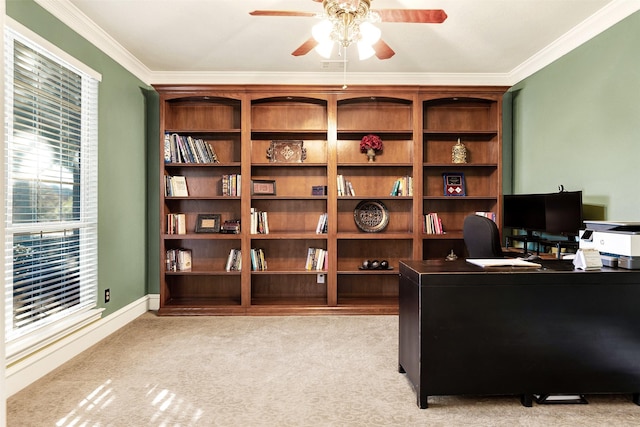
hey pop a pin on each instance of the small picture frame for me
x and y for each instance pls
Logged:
(454, 184)
(208, 223)
(263, 187)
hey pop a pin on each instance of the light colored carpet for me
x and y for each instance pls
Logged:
(268, 371)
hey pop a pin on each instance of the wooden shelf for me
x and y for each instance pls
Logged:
(418, 126)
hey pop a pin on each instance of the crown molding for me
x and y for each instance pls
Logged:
(600, 21)
(73, 17)
(605, 18)
(329, 78)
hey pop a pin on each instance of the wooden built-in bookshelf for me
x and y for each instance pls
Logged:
(418, 126)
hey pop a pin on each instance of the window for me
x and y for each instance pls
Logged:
(51, 195)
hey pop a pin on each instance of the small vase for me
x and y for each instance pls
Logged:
(459, 153)
(371, 154)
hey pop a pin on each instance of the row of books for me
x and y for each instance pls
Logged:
(322, 226)
(490, 215)
(185, 149)
(234, 261)
(175, 186)
(258, 261)
(176, 223)
(403, 186)
(259, 222)
(316, 259)
(432, 224)
(230, 185)
(344, 186)
(178, 260)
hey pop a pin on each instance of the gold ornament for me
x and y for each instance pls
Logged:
(459, 153)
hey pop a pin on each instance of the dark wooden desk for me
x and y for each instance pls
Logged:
(468, 330)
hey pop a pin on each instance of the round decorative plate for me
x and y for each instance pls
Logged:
(371, 216)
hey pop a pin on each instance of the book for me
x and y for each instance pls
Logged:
(402, 186)
(178, 260)
(316, 259)
(490, 215)
(345, 188)
(179, 186)
(184, 260)
(176, 223)
(432, 224)
(187, 149)
(321, 228)
(258, 261)
(234, 260)
(259, 222)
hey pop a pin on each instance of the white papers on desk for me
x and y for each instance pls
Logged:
(503, 262)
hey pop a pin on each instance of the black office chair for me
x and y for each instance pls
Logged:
(481, 236)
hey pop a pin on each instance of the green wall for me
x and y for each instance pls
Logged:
(122, 195)
(577, 123)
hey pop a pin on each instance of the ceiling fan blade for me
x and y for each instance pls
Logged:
(281, 13)
(383, 50)
(424, 16)
(305, 47)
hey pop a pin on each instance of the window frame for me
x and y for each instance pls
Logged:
(19, 344)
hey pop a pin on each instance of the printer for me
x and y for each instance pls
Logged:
(615, 240)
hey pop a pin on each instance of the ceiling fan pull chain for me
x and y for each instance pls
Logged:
(344, 72)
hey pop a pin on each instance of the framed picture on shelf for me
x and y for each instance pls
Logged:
(263, 187)
(208, 223)
(286, 152)
(454, 184)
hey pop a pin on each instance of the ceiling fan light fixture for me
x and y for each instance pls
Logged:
(369, 33)
(365, 50)
(325, 48)
(321, 32)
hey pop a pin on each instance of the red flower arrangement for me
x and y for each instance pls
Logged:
(370, 142)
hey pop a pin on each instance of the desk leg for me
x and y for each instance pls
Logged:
(526, 400)
(636, 398)
(422, 401)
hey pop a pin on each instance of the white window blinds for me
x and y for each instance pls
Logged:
(50, 191)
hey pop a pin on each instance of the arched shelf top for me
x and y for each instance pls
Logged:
(374, 100)
(290, 99)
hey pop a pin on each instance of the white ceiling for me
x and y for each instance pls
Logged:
(217, 41)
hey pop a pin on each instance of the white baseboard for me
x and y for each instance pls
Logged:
(26, 371)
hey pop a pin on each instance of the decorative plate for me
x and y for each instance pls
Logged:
(371, 216)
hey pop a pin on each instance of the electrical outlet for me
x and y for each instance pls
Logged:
(320, 278)
(107, 295)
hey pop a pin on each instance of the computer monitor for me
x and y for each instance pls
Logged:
(563, 213)
(524, 212)
(551, 213)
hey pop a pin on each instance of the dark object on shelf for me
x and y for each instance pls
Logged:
(286, 152)
(451, 257)
(231, 226)
(208, 223)
(481, 237)
(371, 216)
(375, 265)
(319, 190)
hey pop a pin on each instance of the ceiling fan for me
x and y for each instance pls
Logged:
(350, 21)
